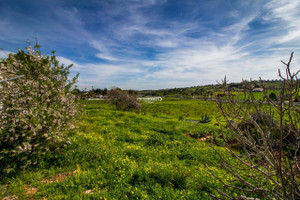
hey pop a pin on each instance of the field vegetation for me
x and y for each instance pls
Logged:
(159, 152)
(129, 155)
(183, 109)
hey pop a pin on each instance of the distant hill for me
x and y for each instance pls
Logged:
(207, 90)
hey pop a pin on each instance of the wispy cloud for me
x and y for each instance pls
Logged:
(144, 44)
(288, 13)
(183, 58)
(103, 75)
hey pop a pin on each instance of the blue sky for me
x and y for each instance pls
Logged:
(154, 44)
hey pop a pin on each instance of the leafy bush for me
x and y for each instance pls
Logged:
(123, 101)
(37, 109)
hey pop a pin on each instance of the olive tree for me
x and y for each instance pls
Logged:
(37, 110)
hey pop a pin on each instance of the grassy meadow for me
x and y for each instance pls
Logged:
(128, 155)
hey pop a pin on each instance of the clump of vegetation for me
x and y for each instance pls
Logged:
(123, 101)
(205, 119)
(199, 134)
(180, 118)
(268, 133)
(273, 96)
(37, 109)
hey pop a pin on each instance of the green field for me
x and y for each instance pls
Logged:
(127, 155)
(183, 108)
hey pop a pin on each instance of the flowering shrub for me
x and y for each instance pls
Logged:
(36, 110)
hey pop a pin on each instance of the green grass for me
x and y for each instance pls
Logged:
(256, 95)
(127, 155)
(184, 109)
(242, 96)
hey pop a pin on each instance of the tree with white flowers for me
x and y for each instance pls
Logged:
(37, 109)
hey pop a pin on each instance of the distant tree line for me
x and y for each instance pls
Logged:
(205, 91)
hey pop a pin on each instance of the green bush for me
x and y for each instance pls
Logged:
(273, 96)
(37, 109)
(123, 101)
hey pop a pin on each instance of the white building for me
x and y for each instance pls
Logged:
(258, 90)
(149, 99)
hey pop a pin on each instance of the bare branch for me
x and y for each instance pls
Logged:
(268, 132)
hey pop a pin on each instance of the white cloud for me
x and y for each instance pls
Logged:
(166, 43)
(105, 57)
(4, 54)
(292, 35)
(288, 12)
(64, 61)
(199, 60)
(99, 73)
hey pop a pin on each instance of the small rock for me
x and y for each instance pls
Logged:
(89, 192)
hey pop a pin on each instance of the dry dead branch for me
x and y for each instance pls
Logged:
(268, 134)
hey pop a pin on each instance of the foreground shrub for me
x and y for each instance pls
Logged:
(37, 109)
(268, 133)
(123, 101)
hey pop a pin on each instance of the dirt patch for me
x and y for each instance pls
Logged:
(10, 198)
(57, 178)
(30, 190)
(204, 138)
